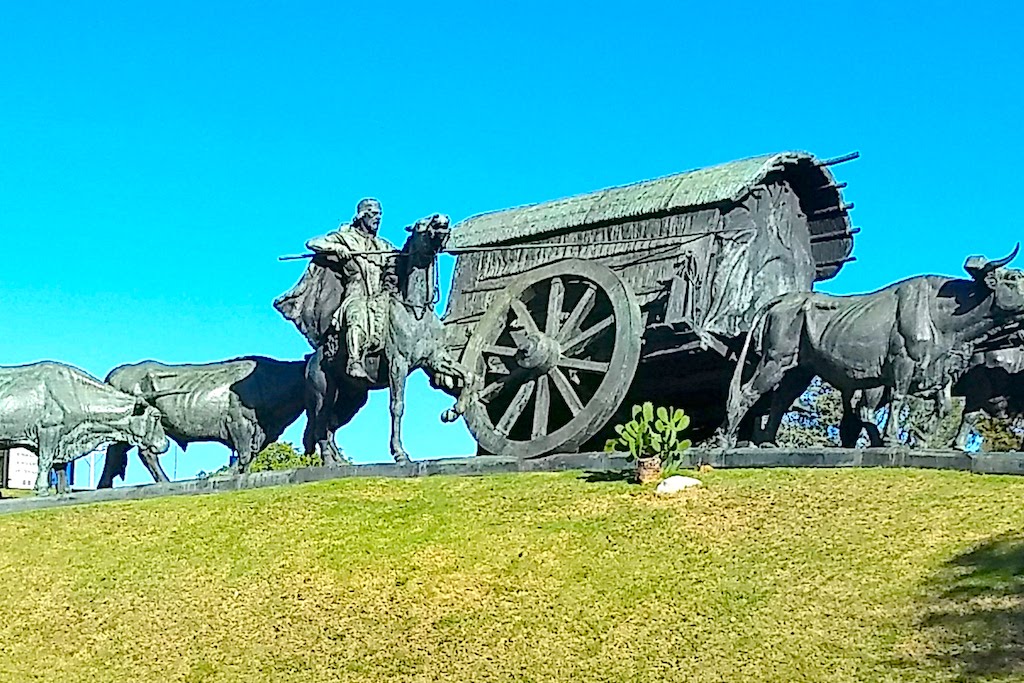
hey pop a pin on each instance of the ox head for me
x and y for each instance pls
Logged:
(145, 429)
(1006, 284)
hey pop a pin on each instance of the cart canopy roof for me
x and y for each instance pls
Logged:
(724, 184)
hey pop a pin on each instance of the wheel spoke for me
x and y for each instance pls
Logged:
(515, 408)
(498, 350)
(541, 407)
(567, 392)
(580, 341)
(580, 364)
(555, 299)
(494, 387)
(579, 311)
(494, 366)
(525, 319)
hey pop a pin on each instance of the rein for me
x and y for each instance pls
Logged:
(420, 310)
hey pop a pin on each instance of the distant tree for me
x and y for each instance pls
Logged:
(814, 418)
(282, 455)
(999, 436)
(814, 421)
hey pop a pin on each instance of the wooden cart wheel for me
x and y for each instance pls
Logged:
(556, 351)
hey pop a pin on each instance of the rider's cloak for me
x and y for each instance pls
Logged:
(311, 304)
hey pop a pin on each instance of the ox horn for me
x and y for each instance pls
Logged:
(979, 267)
(992, 265)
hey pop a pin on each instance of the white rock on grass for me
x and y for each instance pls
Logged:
(677, 483)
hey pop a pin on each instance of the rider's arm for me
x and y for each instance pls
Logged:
(328, 247)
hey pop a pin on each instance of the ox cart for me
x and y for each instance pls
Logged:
(572, 310)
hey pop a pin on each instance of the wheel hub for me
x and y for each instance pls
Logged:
(538, 352)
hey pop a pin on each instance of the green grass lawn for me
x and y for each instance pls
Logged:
(762, 575)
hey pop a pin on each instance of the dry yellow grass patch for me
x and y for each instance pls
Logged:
(775, 575)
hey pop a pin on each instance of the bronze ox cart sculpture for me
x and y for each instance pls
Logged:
(673, 290)
(693, 290)
(571, 311)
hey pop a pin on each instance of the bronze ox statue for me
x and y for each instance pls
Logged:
(62, 414)
(908, 337)
(244, 403)
(993, 386)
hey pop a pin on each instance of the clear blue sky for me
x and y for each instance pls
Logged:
(156, 158)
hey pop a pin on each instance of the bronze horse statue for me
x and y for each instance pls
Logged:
(413, 337)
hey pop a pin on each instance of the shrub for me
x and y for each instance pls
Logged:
(220, 471)
(652, 433)
(282, 455)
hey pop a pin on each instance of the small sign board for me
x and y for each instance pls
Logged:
(22, 468)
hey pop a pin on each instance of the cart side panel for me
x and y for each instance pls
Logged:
(711, 268)
(645, 253)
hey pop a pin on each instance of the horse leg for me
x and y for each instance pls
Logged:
(769, 374)
(850, 424)
(398, 370)
(453, 378)
(944, 403)
(871, 401)
(344, 411)
(893, 425)
(859, 407)
(313, 400)
(967, 425)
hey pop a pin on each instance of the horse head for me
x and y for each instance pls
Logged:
(417, 275)
(428, 236)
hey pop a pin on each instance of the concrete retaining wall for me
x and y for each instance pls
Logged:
(1001, 463)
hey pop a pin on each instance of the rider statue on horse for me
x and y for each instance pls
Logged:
(346, 290)
(367, 309)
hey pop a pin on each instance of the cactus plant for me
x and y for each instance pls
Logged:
(652, 434)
